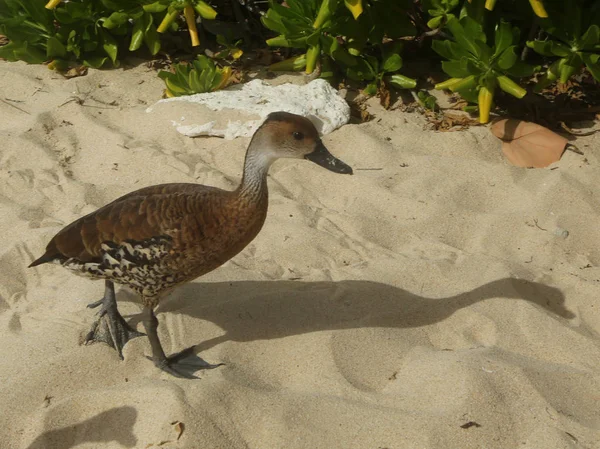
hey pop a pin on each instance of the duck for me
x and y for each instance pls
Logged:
(158, 237)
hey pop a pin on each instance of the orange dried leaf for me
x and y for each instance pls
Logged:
(179, 427)
(527, 144)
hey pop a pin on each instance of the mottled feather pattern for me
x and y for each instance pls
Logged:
(142, 266)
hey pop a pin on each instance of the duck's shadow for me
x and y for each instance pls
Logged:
(259, 310)
(111, 425)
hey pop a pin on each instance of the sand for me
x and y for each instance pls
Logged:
(426, 302)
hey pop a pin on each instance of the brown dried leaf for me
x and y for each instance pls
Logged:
(179, 428)
(76, 71)
(527, 144)
(384, 95)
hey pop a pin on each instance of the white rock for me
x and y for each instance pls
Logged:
(316, 100)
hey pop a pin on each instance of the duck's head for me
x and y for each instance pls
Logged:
(286, 135)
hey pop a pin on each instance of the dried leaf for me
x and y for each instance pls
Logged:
(384, 95)
(179, 428)
(470, 424)
(527, 144)
(76, 71)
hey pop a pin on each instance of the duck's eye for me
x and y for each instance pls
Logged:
(298, 135)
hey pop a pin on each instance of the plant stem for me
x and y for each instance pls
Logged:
(190, 18)
(538, 8)
(52, 4)
(205, 10)
(312, 56)
(324, 13)
(489, 4)
(486, 96)
(167, 21)
(532, 32)
(355, 7)
(295, 64)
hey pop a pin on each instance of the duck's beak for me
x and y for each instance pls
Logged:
(321, 156)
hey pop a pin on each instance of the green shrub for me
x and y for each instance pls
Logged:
(201, 76)
(479, 41)
(573, 42)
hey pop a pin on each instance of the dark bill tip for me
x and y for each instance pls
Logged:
(321, 156)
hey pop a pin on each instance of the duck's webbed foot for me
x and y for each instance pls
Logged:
(184, 364)
(110, 327)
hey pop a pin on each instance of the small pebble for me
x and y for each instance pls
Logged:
(560, 232)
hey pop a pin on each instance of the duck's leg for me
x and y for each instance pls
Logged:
(183, 364)
(110, 327)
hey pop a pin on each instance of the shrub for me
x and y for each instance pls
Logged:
(479, 41)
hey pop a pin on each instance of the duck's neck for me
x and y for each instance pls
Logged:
(254, 180)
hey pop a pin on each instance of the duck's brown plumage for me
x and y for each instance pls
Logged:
(202, 227)
(157, 237)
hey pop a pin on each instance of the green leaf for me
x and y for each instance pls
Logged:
(95, 61)
(74, 12)
(473, 29)
(403, 82)
(115, 20)
(435, 23)
(570, 67)
(590, 38)
(593, 64)
(155, 7)
(463, 39)
(73, 43)
(330, 46)
(442, 48)
(272, 21)
(456, 69)
(361, 71)
(392, 63)
(503, 37)
(174, 87)
(449, 50)
(521, 70)
(109, 44)
(152, 40)
(55, 48)
(163, 74)
(370, 89)
(218, 76)
(22, 51)
(510, 87)
(485, 52)
(137, 34)
(549, 48)
(467, 83)
(471, 95)
(507, 59)
(426, 100)
(194, 82)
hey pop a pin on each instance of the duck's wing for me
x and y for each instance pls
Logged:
(151, 214)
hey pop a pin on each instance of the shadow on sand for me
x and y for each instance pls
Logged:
(115, 424)
(259, 310)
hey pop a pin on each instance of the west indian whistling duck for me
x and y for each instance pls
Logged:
(158, 237)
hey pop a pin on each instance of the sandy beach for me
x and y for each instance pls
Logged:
(430, 301)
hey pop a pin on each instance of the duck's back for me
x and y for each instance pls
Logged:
(175, 231)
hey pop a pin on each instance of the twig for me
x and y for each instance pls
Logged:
(532, 32)
(380, 168)
(570, 131)
(574, 149)
(538, 226)
(16, 107)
